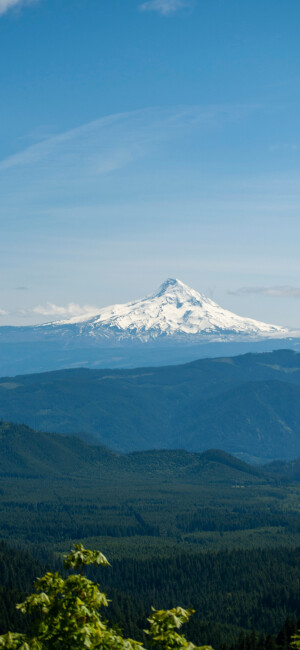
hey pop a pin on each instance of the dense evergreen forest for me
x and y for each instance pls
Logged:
(18, 570)
(232, 592)
(56, 489)
(206, 531)
(245, 600)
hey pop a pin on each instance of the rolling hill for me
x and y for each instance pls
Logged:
(28, 453)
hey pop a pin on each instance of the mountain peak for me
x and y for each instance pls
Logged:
(171, 285)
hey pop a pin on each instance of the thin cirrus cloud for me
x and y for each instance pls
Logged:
(279, 291)
(165, 7)
(93, 143)
(70, 165)
(111, 142)
(5, 5)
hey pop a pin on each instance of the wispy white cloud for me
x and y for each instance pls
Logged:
(279, 291)
(165, 7)
(111, 142)
(3, 312)
(5, 5)
(96, 142)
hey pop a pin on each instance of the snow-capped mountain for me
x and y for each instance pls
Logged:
(174, 325)
(174, 311)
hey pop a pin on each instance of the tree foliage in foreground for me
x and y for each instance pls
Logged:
(66, 615)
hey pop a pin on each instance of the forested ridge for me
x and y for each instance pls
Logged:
(246, 405)
(57, 489)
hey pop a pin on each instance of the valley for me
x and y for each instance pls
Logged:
(55, 490)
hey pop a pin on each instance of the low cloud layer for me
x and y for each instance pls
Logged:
(165, 7)
(50, 311)
(279, 291)
(70, 311)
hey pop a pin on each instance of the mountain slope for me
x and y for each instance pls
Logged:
(258, 415)
(25, 452)
(248, 406)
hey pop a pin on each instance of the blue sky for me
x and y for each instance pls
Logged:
(148, 139)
